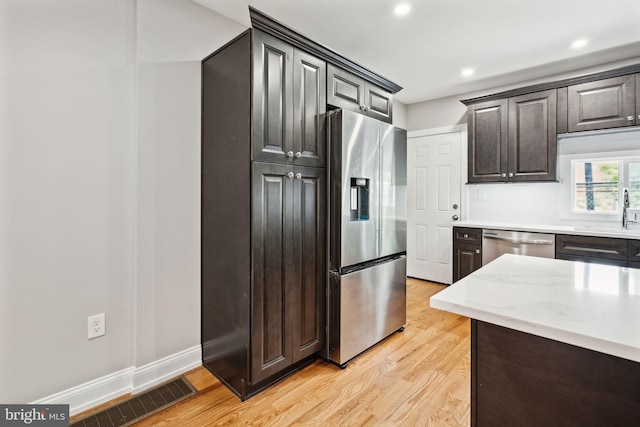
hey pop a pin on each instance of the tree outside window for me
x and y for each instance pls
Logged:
(597, 185)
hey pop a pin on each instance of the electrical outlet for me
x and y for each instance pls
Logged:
(97, 326)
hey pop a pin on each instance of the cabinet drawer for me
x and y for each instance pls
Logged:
(467, 235)
(633, 251)
(591, 247)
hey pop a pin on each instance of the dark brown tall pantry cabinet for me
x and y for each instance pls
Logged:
(263, 211)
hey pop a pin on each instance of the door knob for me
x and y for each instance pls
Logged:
(455, 217)
(455, 206)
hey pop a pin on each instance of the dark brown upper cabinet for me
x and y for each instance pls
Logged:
(603, 100)
(602, 104)
(309, 108)
(487, 127)
(350, 92)
(513, 139)
(289, 103)
(532, 137)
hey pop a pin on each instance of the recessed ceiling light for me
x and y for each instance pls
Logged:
(467, 72)
(579, 43)
(402, 9)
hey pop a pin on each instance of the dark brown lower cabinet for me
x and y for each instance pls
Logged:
(467, 251)
(288, 259)
(519, 379)
(600, 250)
(263, 275)
(467, 259)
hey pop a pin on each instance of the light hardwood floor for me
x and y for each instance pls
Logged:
(419, 377)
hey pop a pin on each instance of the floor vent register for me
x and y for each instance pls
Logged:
(141, 406)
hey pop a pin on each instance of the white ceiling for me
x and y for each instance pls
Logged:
(505, 41)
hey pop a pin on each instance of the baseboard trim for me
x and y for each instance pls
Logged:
(164, 369)
(130, 380)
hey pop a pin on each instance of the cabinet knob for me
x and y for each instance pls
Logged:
(455, 217)
(465, 235)
(510, 174)
(298, 154)
(477, 251)
(455, 206)
(298, 175)
(630, 118)
(289, 153)
(290, 175)
(364, 108)
(504, 175)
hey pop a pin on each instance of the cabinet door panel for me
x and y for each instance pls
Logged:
(467, 258)
(310, 106)
(309, 262)
(272, 249)
(487, 123)
(532, 137)
(272, 98)
(602, 104)
(379, 103)
(344, 90)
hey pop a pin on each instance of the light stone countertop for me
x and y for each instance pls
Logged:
(588, 305)
(633, 233)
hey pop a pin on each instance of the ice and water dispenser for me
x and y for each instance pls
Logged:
(359, 199)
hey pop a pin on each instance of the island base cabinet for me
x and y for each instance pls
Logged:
(525, 380)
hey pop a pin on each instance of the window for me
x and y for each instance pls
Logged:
(598, 183)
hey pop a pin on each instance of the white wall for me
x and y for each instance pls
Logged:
(66, 192)
(99, 185)
(533, 203)
(399, 115)
(173, 37)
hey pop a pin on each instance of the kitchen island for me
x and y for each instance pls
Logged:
(553, 342)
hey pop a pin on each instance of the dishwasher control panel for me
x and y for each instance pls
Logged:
(499, 242)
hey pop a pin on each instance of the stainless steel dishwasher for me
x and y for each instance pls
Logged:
(499, 242)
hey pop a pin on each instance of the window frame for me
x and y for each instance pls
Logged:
(623, 180)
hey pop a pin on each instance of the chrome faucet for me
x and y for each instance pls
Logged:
(625, 206)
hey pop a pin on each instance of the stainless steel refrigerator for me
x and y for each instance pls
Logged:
(367, 233)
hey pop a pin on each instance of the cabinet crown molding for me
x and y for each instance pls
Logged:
(586, 78)
(269, 25)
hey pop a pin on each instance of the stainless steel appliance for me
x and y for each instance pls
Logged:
(367, 233)
(499, 242)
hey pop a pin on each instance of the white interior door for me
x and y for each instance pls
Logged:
(433, 202)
